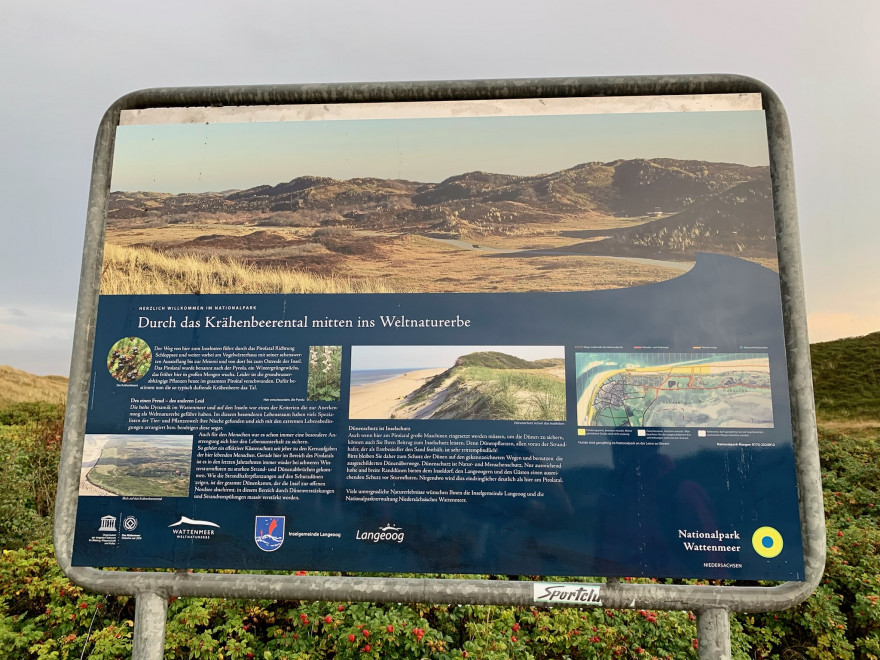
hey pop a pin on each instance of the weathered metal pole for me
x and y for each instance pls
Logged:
(150, 612)
(713, 633)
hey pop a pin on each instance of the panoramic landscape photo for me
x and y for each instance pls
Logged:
(411, 206)
(458, 382)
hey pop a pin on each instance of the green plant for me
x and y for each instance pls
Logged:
(846, 377)
(325, 373)
(29, 451)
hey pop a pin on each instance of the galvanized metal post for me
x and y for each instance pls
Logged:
(713, 633)
(150, 612)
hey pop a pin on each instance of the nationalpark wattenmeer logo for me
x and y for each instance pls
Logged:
(767, 542)
(269, 532)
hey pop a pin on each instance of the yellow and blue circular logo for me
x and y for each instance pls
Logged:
(767, 542)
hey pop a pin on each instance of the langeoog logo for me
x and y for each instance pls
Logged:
(387, 533)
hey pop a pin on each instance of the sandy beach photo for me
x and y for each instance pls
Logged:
(458, 382)
(378, 400)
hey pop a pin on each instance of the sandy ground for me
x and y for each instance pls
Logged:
(378, 400)
(91, 452)
(88, 488)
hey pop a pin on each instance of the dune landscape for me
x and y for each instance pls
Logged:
(488, 385)
(589, 227)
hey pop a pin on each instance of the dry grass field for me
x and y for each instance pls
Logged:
(19, 386)
(223, 258)
(146, 271)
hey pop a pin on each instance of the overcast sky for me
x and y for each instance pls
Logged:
(221, 156)
(64, 63)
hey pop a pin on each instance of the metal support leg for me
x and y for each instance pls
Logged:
(713, 633)
(150, 612)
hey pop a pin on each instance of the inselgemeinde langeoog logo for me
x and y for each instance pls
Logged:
(269, 532)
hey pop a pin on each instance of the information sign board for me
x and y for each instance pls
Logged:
(533, 336)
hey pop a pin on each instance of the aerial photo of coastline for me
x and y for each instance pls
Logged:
(463, 382)
(136, 465)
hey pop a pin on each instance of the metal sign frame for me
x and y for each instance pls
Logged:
(712, 603)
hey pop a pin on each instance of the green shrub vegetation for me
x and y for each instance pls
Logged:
(846, 377)
(513, 394)
(43, 615)
(30, 442)
(498, 360)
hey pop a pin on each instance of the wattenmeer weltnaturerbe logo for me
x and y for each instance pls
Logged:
(498, 337)
(188, 528)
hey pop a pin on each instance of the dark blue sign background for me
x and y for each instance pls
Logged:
(619, 510)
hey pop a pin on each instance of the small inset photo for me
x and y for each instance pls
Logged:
(129, 359)
(674, 390)
(136, 465)
(458, 382)
(325, 373)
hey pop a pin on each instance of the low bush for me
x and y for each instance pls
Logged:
(45, 616)
(30, 444)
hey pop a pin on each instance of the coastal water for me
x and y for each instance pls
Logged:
(370, 376)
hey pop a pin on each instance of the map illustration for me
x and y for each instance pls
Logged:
(681, 390)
